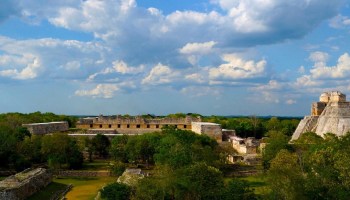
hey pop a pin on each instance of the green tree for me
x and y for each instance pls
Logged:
(118, 148)
(199, 181)
(116, 191)
(238, 189)
(100, 144)
(273, 124)
(276, 142)
(61, 149)
(8, 144)
(286, 177)
(149, 189)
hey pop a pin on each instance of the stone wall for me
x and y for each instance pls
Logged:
(76, 173)
(44, 128)
(210, 129)
(24, 184)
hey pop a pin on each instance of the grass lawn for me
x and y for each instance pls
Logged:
(96, 165)
(258, 183)
(84, 188)
(46, 193)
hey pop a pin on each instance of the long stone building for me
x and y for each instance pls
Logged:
(330, 115)
(49, 127)
(114, 125)
(133, 125)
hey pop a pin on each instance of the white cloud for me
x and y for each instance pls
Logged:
(195, 77)
(319, 57)
(49, 58)
(306, 81)
(237, 68)
(30, 71)
(200, 91)
(100, 91)
(291, 101)
(123, 68)
(197, 48)
(301, 70)
(160, 74)
(340, 70)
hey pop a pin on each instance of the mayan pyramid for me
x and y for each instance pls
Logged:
(330, 115)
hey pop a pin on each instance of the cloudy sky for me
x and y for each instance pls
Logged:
(222, 57)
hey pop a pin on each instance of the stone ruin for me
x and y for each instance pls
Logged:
(133, 125)
(24, 184)
(330, 115)
(45, 128)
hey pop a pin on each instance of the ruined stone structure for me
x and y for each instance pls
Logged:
(24, 184)
(133, 125)
(330, 115)
(45, 128)
(210, 129)
(244, 146)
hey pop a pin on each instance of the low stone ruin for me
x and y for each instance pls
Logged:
(24, 184)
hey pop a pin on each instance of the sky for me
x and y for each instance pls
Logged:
(212, 57)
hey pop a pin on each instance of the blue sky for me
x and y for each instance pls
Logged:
(213, 57)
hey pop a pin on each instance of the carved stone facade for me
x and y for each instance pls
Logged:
(330, 115)
(133, 125)
(45, 128)
(24, 184)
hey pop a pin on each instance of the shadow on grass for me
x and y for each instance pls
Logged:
(52, 189)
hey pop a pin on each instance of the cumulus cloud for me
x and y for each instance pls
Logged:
(237, 68)
(48, 58)
(160, 74)
(197, 48)
(340, 70)
(120, 67)
(123, 68)
(100, 91)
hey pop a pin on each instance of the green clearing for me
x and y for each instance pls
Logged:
(96, 165)
(84, 188)
(46, 193)
(258, 183)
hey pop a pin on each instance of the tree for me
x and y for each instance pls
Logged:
(238, 189)
(61, 149)
(100, 144)
(7, 146)
(116, 191)
(149, 189)
(199, 181)
(276, 142)
(273, 124)
(118, 148)
(286, 177)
